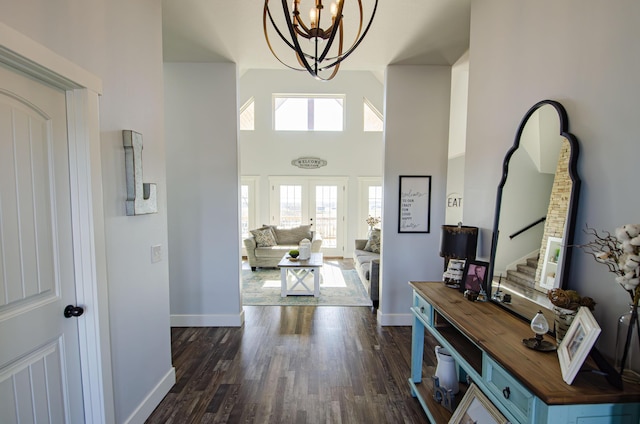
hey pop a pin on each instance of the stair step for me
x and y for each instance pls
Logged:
(521, 279)
(526, 269)
(521, 288)
(532, 262)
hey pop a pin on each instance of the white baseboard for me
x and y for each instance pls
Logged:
(154, 398)
(208, 320)
(395, 320)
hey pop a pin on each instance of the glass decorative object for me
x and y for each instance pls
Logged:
(539, 326)
(628, 345)
(305, 249)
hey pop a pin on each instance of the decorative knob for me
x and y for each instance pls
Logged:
(506, 392)
(73, 311)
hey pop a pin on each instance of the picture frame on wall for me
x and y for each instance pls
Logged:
(474, 277)
(577, 343)
(414, 209)
(475, 407)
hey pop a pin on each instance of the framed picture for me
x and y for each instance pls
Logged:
(475, 408)
(414, 214)
(474, 277)
(577, 343)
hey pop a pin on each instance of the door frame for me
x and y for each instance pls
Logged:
(82, 90)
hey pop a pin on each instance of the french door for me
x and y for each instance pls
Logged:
(319, 201)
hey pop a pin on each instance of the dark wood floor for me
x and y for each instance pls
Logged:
(294, 364)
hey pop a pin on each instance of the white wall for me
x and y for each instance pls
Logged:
(455, 190)
(201, 111)
(120, 41)
(457, 139)
(351, 153)
(416, 143)
(458, 114)
(583, 53)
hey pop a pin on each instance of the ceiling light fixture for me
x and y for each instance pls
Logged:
(318, 58)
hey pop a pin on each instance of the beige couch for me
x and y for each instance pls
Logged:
(368, 266)
(286, 239)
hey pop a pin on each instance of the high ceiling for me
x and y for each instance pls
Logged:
(411, 32)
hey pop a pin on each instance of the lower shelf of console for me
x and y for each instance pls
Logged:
(424, 391)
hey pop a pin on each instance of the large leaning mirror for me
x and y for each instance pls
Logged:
(535, 212)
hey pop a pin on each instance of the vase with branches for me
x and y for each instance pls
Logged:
(620, 252)
(372, 221)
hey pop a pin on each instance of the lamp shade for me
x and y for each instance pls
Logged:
(458, 242)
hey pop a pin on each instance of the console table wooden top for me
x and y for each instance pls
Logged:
(500, 334)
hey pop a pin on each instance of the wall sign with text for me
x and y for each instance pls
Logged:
(415, 204)
(309, 163)
(454, 200)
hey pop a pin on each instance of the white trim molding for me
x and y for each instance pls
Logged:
(395, 320)
(211, 320)
(21, 52)
(153, 399)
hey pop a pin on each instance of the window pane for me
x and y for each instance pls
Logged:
(327, 214)
(328, 115)
(247, 117)
(290, 206)
(301, 113)
(375, 201)
(291, 114)
(244, 212)
(372, 119)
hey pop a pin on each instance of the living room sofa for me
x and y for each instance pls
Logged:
(368, 266)
(267, 255)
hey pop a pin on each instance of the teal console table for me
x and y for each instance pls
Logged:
(525, 385)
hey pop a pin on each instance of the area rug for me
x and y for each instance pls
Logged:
(337, 288)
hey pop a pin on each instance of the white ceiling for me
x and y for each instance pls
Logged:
(412, 32)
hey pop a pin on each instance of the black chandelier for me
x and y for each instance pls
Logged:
(320, 58)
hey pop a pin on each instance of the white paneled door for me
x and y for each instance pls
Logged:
(318, 201)
(39, 355)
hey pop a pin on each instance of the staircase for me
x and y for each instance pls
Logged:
(525, 273)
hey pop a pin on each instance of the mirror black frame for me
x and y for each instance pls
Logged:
(573, 201)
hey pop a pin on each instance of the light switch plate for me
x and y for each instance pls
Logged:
(156, 253)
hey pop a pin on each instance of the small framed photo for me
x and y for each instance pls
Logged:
(474, 277)
(577, 344)
(477, 409)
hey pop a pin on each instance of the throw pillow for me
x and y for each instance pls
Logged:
(373, 244)
(292, 236)
(273, 230)
(264, 237)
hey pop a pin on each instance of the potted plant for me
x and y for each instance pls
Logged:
(294, 253)
(565, 306)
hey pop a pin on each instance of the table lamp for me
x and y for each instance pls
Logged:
(457, 244)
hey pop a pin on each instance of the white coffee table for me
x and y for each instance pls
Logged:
(295, 275)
